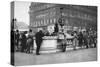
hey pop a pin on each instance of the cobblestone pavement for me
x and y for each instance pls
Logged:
(79, 55)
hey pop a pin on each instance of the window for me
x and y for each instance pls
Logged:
(38, 23)
(44, 22)
(50, 21)
(54, 20)
(47, 22)
(34, 24)
(41, 22)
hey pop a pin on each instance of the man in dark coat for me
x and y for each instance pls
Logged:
(80, 38)
(17, 38)
(23, 42)
(39, 39)
(85, 39)
(12, 41)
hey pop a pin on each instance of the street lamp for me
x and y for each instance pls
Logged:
(13, 24)
(61, 19)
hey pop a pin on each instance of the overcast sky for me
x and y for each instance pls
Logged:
(21, 11)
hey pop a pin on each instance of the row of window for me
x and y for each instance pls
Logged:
(44, 22)
(79, 15)
(41, 7)
(49, 14)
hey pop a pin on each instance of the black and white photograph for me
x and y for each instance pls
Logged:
(52, 33)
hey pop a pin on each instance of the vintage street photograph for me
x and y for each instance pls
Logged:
(52, 33)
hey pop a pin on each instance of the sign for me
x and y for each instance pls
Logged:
(50, 28)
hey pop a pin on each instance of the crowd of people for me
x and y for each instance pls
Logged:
(24, 42)
(82, 39)
(86, 39)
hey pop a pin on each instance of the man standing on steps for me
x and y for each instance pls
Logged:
(38, 40)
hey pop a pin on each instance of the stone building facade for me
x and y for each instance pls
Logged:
(44, 14)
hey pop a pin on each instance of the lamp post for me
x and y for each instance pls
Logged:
(61, 19)
(13, 24)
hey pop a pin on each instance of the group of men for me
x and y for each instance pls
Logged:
(87, 38)
(83, 39)
(24, 41)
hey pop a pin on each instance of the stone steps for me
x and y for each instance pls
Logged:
(53, 50)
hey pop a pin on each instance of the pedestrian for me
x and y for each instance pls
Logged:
(17, 39)
(80, 39)
(85, 39)
(92, 38)
(20, 41)
(23, 42)
(64, 44)
(30, 42)
(38, 40)
(75, 40)
(95, 39)
(61, 41)
(12, 41)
